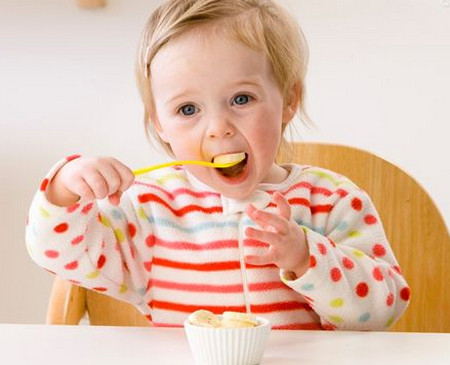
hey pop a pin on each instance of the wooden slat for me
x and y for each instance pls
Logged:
(67, 304)
(107, 311)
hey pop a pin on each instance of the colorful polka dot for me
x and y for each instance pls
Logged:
(354, 234)
(52, 254)
(141, 213)
(357, 204)
(87, 208)
(312, 261)
(61, 228)
(100, 288)
(117, 214)
(405, 293)
(362, 289)
(105, 221)
(343, 193)
(44, 213)
(73, 208)
(390, 322)
(44, 185)
(72, 157)
(370, 219)
(342, 226)
(336, 319)
(123, 288)
(358, 253)
(378, 250)
(390, 299)
(307, 287)
(348, 264)
(77, 240)
(397, 269)
(364, 317)
(71, 265)
(337, 303)
(131, 230)
(377, 274)
(101, 262)
(119, 235)
(93, 274)
(335, 274)
(322, 248)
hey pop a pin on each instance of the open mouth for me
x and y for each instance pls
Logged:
(234, 170)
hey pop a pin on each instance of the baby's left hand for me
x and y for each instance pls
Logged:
(287, 242)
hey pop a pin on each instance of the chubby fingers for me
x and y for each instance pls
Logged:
(105, 178)
(126, 178)
(259, 260)
(266, 220)
(282, 204)
(272, 238)
(125, 173)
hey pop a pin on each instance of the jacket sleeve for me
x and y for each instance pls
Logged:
(89, 243)
(353, 281)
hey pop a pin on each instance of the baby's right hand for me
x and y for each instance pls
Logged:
(89, 178)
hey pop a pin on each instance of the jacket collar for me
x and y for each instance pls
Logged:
(260, 198)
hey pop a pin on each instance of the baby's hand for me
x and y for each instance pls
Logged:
(287, 243)
(89, 178)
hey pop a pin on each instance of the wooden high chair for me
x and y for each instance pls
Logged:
(413, 225)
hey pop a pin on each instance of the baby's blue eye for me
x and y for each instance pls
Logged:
(241, 99)
(188, 110)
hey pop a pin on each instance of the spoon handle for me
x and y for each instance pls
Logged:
(174, 163)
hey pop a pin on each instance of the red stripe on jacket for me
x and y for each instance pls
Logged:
(233, 288)
(208, 266)
(152, 240)
(256, 308)
(146, 198)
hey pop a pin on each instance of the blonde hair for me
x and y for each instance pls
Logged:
(261, 25)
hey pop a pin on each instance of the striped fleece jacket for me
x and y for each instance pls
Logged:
(173, 246)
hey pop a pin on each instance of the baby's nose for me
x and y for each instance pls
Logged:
(219, 128)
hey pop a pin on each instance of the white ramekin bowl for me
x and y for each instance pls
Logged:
(228, 346)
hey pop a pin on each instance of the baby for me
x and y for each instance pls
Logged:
(299, 245)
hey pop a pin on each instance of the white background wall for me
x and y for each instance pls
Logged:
(379, 79)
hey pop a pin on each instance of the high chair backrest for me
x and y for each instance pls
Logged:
(413, 225)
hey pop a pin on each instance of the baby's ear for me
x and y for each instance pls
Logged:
(292, 102)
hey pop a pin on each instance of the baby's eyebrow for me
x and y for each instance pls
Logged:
(180, 95)
(255, 83)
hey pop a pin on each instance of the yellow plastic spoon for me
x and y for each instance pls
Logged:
(238, 157)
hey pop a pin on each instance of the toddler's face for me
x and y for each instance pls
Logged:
(215, 96)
